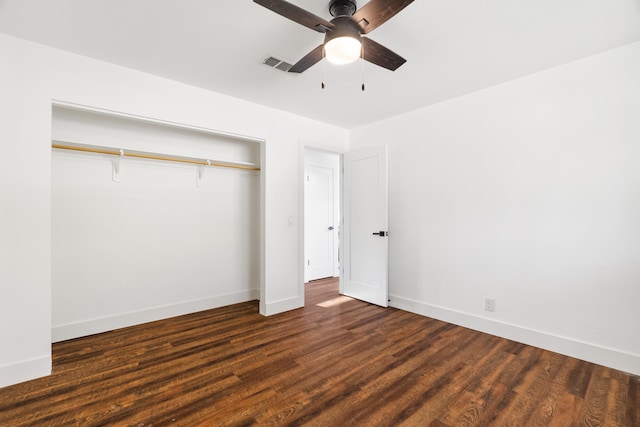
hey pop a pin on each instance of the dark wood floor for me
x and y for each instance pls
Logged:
(337, 362)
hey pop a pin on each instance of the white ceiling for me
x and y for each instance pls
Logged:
(452, 47)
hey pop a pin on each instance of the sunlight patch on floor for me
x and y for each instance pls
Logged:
(333, 302)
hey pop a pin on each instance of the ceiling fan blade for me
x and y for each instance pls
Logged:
(309, 60)
(297, 14)
(380, 55)
(377, 12)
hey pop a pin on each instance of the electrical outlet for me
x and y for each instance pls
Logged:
(489, 304)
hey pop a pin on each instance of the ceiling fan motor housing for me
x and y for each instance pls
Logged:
(342, 7)
(344, 27)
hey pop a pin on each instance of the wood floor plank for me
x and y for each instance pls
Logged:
(595, 410)
(617, 398)
(545, 412)
(632, 416)
(337, 361)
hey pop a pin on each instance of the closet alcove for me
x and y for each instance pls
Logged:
(150, 236)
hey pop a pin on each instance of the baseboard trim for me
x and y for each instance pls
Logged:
(589, 352)
(282, 305)
(24, 371)
(122, 320)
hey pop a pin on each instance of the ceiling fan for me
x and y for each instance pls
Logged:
(343, 40)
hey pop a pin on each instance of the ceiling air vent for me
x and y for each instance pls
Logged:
(278, 63)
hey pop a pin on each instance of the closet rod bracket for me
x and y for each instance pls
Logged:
(116, 167)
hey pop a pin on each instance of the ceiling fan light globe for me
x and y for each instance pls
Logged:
(342, 50)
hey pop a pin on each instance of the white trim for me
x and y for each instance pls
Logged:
(122, 320)
(25, 370)
(263, 229)
(609, 357)
(283, 305)
(302, 148)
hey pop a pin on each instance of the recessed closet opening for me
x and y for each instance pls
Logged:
(168, 224)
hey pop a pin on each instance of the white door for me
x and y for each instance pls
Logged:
(319, 233)
(365, 272)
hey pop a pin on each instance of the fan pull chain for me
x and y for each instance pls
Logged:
(322, 66)
(362, 62)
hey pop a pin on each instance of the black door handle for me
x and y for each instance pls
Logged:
(380, 233)
(330, 228)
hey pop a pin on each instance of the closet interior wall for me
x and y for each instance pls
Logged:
(156, 242)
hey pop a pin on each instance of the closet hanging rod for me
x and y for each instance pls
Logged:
(151, 156)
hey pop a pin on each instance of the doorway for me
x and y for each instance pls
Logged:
(356, 250)
(321, 214)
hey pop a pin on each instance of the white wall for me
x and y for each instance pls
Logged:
(31, 77)
(529, 193)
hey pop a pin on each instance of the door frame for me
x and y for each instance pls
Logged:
(327, 164)
(329, 149)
